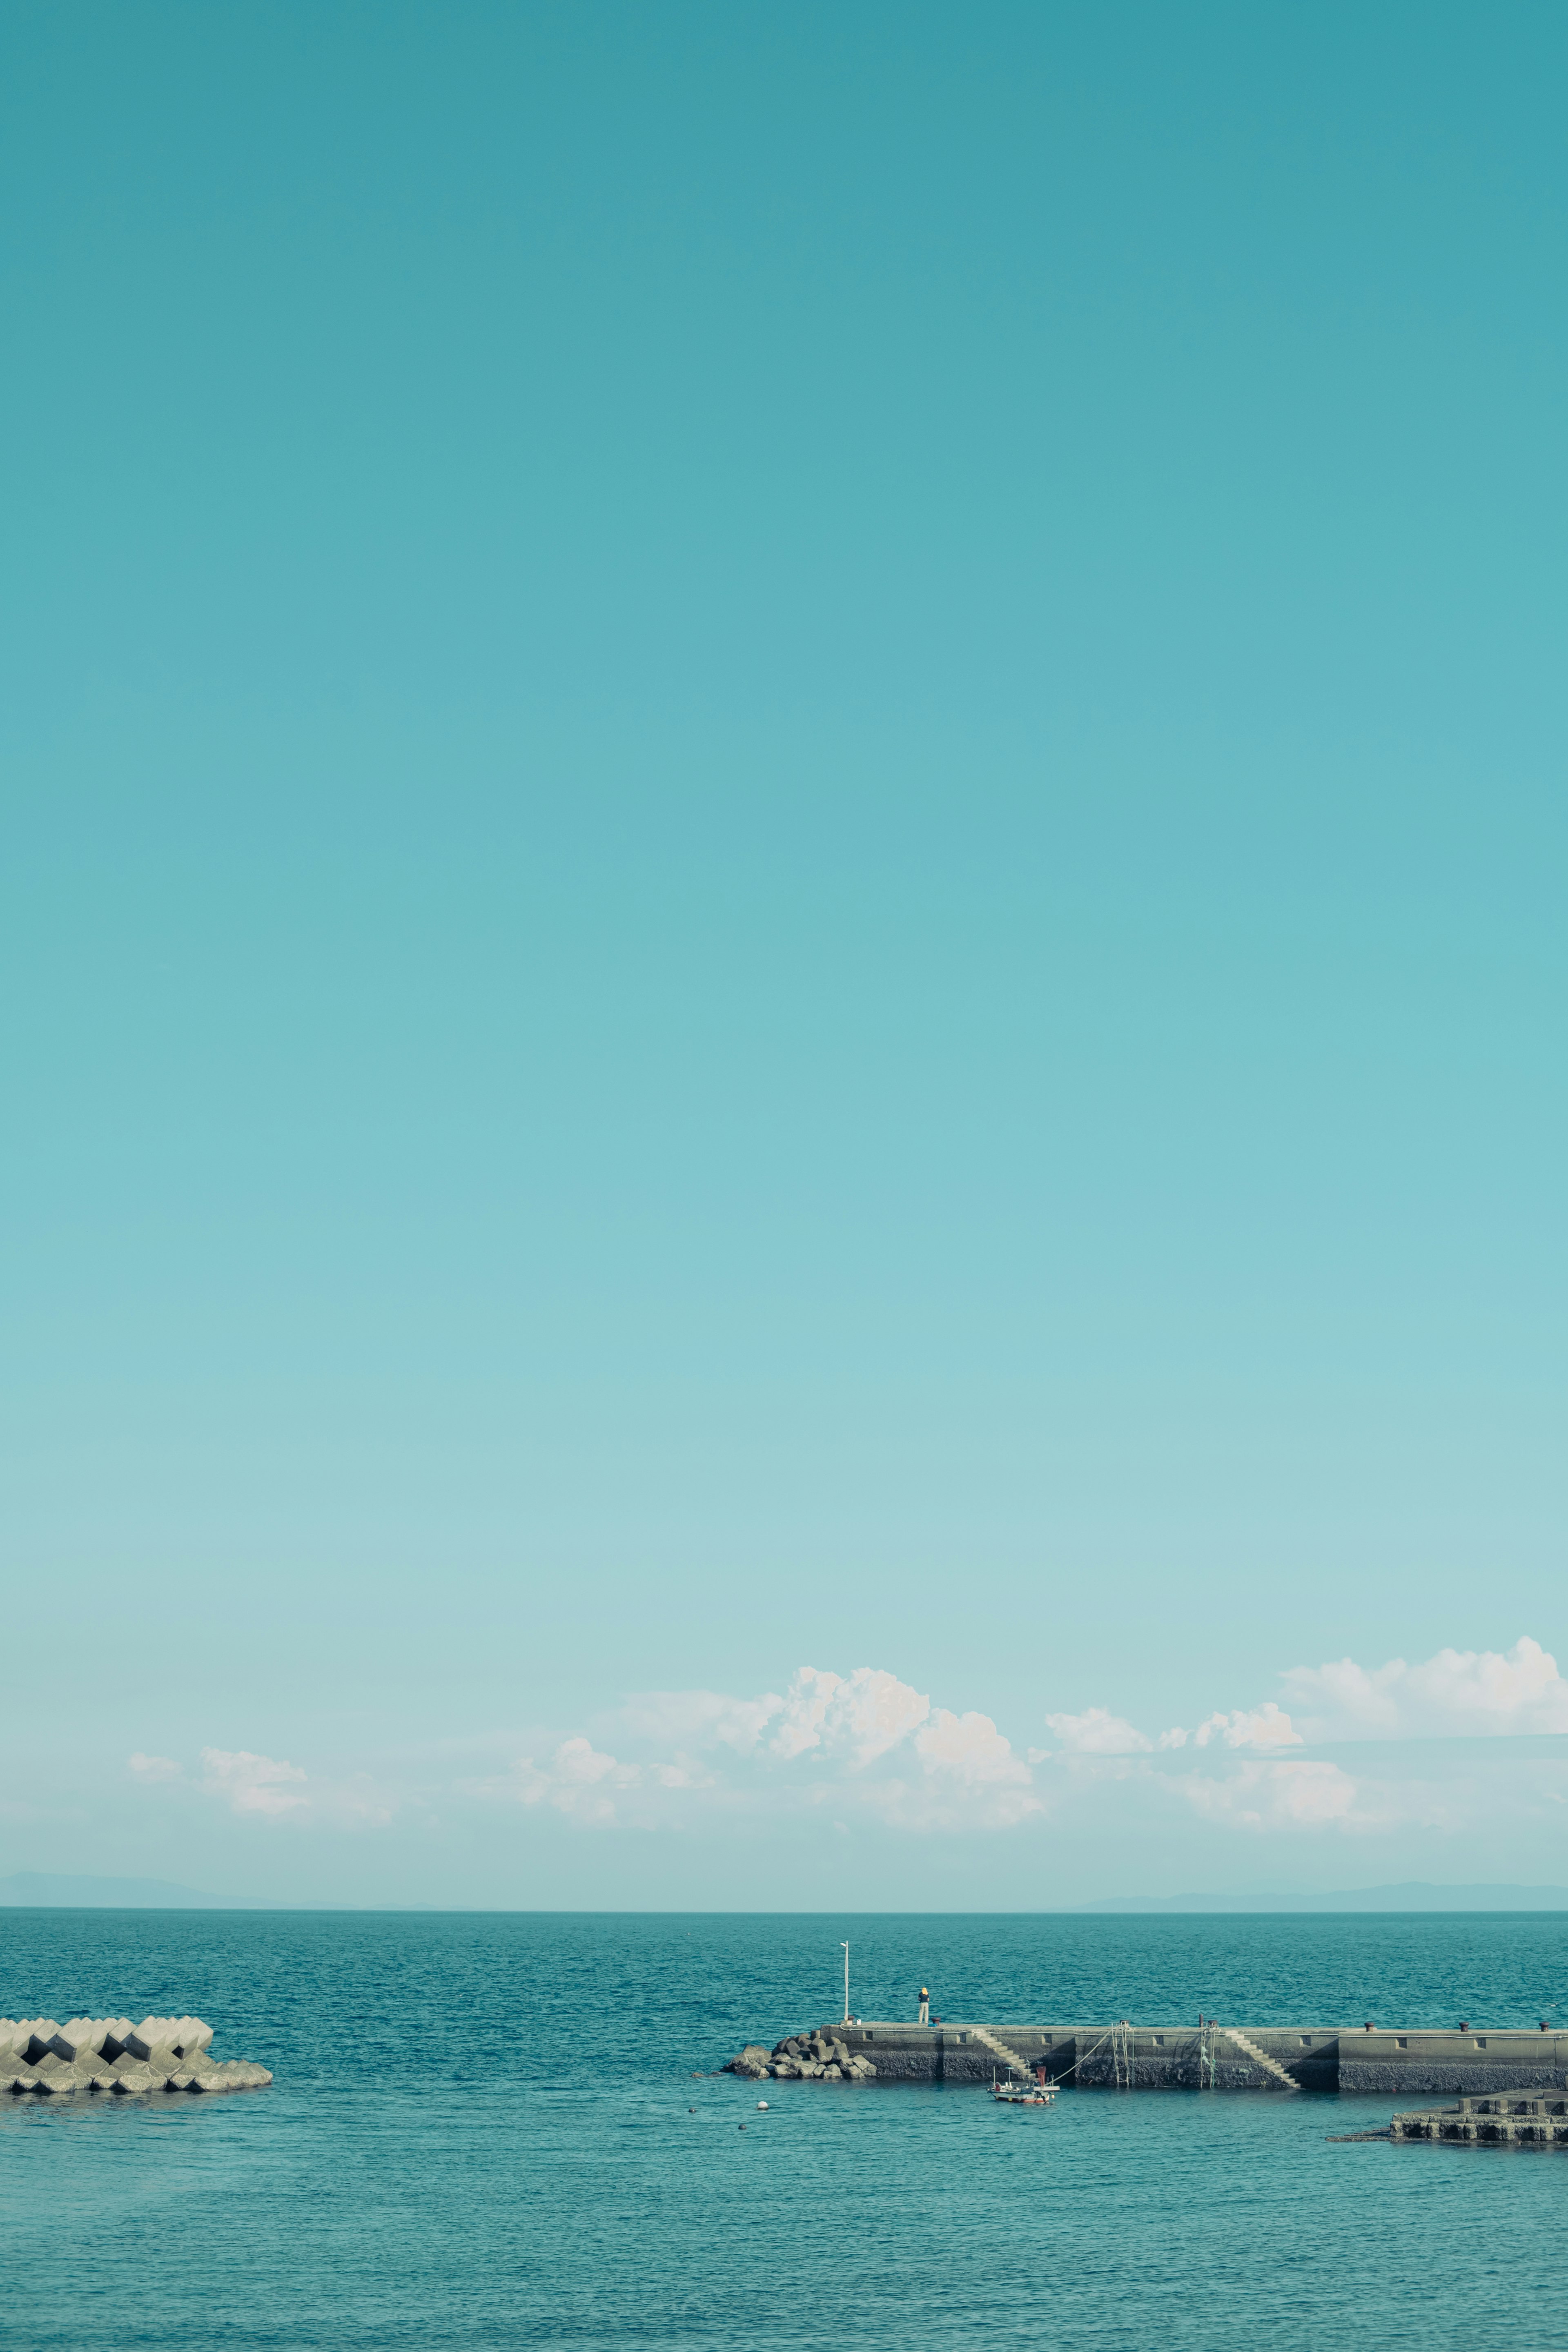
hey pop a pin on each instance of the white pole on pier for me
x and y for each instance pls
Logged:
(846, 1984)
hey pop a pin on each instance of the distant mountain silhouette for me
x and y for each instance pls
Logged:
(1411, 1894)
(46, 1890)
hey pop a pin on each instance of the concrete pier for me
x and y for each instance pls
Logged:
(1394, 2061)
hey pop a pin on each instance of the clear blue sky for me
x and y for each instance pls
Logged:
(783, 874)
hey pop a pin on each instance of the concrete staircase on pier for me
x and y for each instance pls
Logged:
(1260, 2057)
(1008, 2057)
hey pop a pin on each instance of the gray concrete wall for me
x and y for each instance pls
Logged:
(1321, 2057)
(1163, 2057)
(1436, 2063)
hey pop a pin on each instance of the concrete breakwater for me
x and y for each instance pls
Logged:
(1210, 2056)
(110, 2056)
(1496, 2122)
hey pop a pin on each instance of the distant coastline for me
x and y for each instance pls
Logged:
(46, 1890)
(1410, 1894)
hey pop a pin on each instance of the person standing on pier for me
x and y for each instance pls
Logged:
(925, 2005)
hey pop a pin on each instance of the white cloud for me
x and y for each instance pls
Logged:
(1095, 1732)
(1245, 1727)
(804, 1712)
(683, 1772)
(965, 1756)
(856, 1717)
(1477, 1694)
(873, 1711)
(1295, 1796)
(271, 1790)
(701, 1716)
(580, 1780)
(886, 1750)
(251, 1784)
(1474, 1694)
(864, 1741)
(971, 1747)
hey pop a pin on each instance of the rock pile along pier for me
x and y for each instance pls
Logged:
(110, 2056)
(1415, 2064)
(821, 2056)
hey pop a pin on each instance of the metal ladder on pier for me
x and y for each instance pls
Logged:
(1259, 2057)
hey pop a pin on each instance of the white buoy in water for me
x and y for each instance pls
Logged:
(762, 2103)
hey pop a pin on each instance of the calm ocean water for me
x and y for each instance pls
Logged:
(489, 2130)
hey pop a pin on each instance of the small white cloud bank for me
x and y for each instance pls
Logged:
(248, 1783)
(245, 1782)
(1245, 1727)
(865, 1740)
(1463, 1694)
(1095, 1732)
(871, 1743)
(1257, 1795)
(269, 1789)
(577, 1781)
(833, 1749)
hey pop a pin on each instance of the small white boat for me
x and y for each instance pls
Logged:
(1019, 2091)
